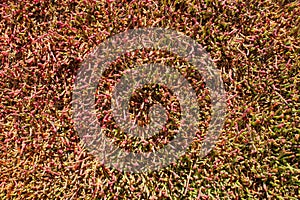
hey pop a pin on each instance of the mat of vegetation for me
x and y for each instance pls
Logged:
(255, 44)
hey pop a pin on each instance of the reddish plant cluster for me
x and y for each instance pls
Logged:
(254, 43)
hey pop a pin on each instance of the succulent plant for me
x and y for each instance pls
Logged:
(255, 44)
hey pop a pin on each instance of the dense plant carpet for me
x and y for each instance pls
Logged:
(255, 44)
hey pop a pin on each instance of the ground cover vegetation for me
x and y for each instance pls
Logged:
(255, 44)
